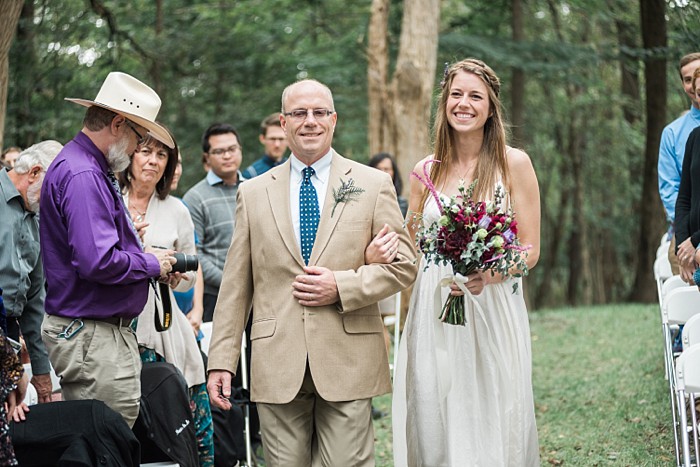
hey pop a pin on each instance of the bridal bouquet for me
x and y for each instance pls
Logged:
(470, 235)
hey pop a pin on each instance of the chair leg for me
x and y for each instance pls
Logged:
(671, 377)
(694, 418)
(685, 441)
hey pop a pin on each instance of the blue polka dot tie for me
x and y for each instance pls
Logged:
(308, 214)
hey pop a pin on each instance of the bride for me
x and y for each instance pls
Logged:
(473, 405)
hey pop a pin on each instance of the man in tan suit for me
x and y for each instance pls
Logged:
(318, 354)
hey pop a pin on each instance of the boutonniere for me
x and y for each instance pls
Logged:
(346, 192)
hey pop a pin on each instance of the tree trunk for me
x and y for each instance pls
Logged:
(155, 64)
(377, 78)
(399, 112)
(410, 92)
(517, 94)
(651, 217)
(24, 88)
(9, 15)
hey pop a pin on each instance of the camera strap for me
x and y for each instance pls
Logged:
(164, 297)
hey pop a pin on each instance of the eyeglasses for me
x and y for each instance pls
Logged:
(221, 151)
(302, 114)
(139, 138)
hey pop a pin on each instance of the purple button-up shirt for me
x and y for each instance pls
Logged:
(92, 257)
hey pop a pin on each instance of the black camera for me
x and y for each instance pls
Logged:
(185, 262)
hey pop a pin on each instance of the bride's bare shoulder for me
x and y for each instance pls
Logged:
(423, 163)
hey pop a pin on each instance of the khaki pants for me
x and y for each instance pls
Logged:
(672, 258)
(310, 431)
(100, 361)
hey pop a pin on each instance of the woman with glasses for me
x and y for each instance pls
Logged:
(146, 183)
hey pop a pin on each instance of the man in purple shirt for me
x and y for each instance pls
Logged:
(98, 276)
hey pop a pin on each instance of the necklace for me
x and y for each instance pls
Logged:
(141, 215)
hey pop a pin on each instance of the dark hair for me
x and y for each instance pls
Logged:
(377, 158)
(270, 120)
(217, 129)
(96, 118)
(166, 180)
(687, 59)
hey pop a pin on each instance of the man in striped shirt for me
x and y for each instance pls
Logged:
(212, 204)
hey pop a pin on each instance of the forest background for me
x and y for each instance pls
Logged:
(587, 87)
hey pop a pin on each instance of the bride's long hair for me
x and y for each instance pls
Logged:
(491, 164)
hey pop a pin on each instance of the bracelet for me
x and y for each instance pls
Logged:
(696, 276)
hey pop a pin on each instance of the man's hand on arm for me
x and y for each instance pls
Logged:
(219, 388)
(44, 387)
(315, 288)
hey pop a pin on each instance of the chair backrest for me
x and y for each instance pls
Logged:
(688, 369)
(206, 329)
(672, 283)
(662, 268)
(681, 304)
(691, 332)
(662, 250)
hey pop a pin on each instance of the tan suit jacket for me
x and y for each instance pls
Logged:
(343, 342)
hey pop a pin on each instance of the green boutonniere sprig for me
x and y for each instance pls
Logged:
(346, 192)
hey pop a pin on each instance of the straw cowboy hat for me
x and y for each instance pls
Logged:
(129, 97)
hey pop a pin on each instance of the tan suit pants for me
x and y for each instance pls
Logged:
(310, 431)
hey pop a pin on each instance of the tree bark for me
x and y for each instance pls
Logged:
(27, 68)
(9, 15)
(399, 112)
(410, 93)
(651, 217)
(377, 78)
(517, 95)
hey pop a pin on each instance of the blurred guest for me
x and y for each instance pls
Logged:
(672, 149)
(386, 163)
(21, 271)
(688, 203)
(10, 155)
(147, 182)
(98, 276)
(13, 387)
(190, 301)
(212, 203)
(274, 140)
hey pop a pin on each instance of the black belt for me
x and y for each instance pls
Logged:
(116, 321)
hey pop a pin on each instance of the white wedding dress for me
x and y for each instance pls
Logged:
(463, 394)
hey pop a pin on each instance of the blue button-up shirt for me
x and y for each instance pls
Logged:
(671, 153)
(21, 272)
(94, 264)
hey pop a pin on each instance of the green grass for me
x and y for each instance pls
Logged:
(600, 394)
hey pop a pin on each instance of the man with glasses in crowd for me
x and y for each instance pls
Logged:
(98, 276)
(212, 204)
(274, 140)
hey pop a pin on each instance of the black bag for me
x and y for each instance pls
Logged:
(165, 426)
(229, 426)
(74, 433)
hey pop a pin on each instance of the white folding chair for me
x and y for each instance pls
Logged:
(662, 250)
(206, 329)
(691, 332)
(679, 305)
(672, 283)
(688, 385)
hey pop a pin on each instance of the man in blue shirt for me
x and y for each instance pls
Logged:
(275, 141)
(672, 148)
